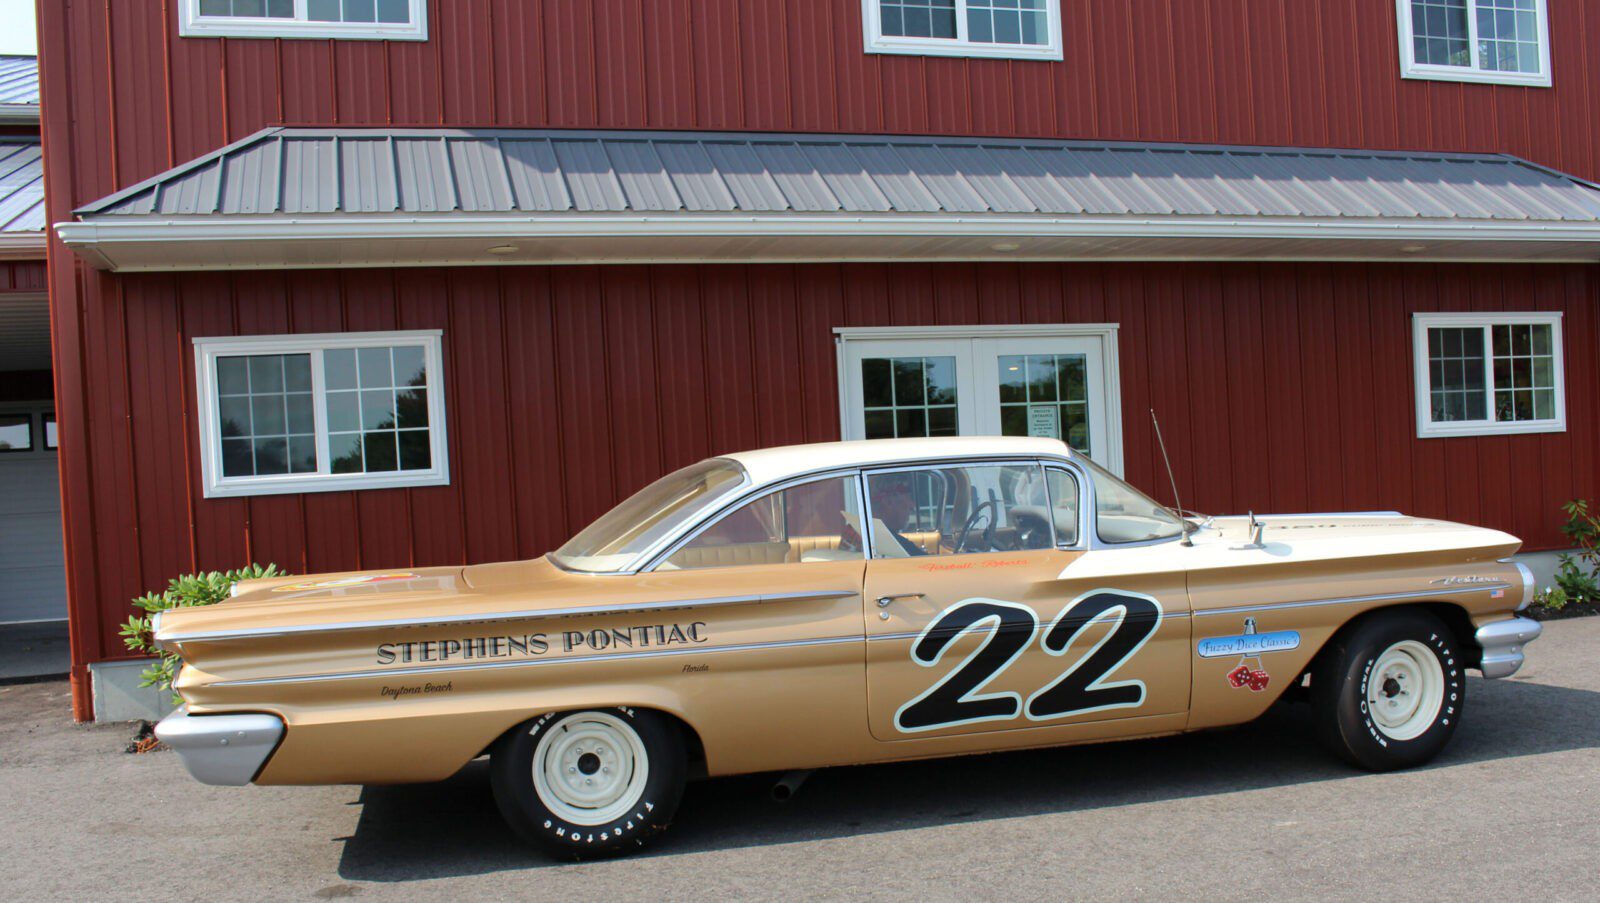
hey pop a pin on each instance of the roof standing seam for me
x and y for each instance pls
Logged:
(437, 171)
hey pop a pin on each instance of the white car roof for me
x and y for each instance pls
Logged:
(768, 465)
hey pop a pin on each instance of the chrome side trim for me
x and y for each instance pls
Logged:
(226, 750)
(528, 614)
(1347, 600)
(486, 666)
(1502, 644)
(1165, 616)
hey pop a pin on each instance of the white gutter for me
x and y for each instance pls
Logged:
(99, 240)
(19, 114)
(106, 230)
(22, 246)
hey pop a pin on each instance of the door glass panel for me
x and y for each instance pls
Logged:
(1124, 514)
(1045, 395)
(811, 522)
(959, 510)
(909, 396)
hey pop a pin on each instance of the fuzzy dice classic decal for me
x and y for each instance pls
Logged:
(1250, 646)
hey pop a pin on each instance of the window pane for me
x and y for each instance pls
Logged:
(374, 367)
(360, 11)
(1440, 30)
(233, 376)
(1456, 373)
(345, 450)
(302, 419)
(394, 11)
(339, 368)
(1124, 514)
(415, 452)
(816, 521)
(344, 412)
(297, 372)
(302, 454)
(1013, 379)
(919, 18)
(16, 432)
(272, 456)
(266, 374)
(1063, 506)
(266, 415)
(377, 410)
(50, 430)
(959, 510)
(411, 408)
(237, 460)
(235, 415)
(323, 10)
(381, 451)
(410, 368)
(909, 396)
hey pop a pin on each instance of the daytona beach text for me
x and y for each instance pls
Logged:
(482, 647)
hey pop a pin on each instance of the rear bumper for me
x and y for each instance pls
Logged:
(227, 750)
(1502, 643)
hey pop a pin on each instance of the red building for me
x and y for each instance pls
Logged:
(366, 284)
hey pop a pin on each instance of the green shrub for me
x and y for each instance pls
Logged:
(188, 591)
(1577, 573)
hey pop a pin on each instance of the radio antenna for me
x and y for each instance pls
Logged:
(1170, 478)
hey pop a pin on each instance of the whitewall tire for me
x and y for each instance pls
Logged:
(590, 783)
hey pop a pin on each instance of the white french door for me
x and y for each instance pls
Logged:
(1058, 381)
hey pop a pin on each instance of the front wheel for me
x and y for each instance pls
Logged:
(589, 783)
(1388, 693)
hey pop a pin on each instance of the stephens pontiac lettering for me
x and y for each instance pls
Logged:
(533, 645)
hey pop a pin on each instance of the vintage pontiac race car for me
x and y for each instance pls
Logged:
(793, 608)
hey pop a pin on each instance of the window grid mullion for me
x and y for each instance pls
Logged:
(1472, 37)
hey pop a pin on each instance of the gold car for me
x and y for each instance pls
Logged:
(793, 608)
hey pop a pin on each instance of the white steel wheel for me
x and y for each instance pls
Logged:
(590, 769)
(1406, 690)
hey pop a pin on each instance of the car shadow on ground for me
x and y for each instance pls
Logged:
(451, 828)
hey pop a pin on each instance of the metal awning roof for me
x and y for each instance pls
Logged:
(21, 198)
(19, 89)
(297, 197)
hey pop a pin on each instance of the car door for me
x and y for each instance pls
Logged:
(990, 607)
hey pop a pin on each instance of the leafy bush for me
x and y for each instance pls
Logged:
(1577, 573)
(189, 591)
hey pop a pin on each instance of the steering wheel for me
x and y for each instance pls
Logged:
(993, 508)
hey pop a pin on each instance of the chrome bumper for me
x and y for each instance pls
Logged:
(1502, 644)
(228, 750)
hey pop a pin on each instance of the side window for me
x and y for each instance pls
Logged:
(959, 510)
(805, 523)
(1124, 514)
(1064, 506)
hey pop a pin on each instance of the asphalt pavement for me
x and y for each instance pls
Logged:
(1258, 812)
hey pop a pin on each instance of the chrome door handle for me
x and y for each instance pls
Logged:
(883, 601)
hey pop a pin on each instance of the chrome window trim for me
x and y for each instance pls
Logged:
(766, 489)
(538, 614)
(949, 464)
(1085, 501)
(650, 555)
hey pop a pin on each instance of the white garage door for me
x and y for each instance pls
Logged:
(32, 574)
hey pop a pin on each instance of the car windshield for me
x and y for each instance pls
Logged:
(617, 540)
(1124, 514)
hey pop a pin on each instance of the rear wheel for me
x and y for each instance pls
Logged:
(589, 783)
(1388, 693)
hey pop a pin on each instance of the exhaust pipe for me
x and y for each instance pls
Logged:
(788, 785)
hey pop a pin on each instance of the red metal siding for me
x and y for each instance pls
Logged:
(1286, 378)
(1280, 387)
(22, 276)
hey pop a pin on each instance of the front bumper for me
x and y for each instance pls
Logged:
(1502, 644)
(227, 750)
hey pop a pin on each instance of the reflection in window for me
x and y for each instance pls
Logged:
(1455, 365)
(1524, 372)
(909, 396)
(377, 409)
(264, 409)
(16, 432)
(1045, 395)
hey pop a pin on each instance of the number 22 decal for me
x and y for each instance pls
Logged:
(957, 699)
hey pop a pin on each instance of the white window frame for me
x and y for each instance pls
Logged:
(191, 24)
(878, 42)
(969, 345)
(215, 485)
(1428, 429)
(1410, 68)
